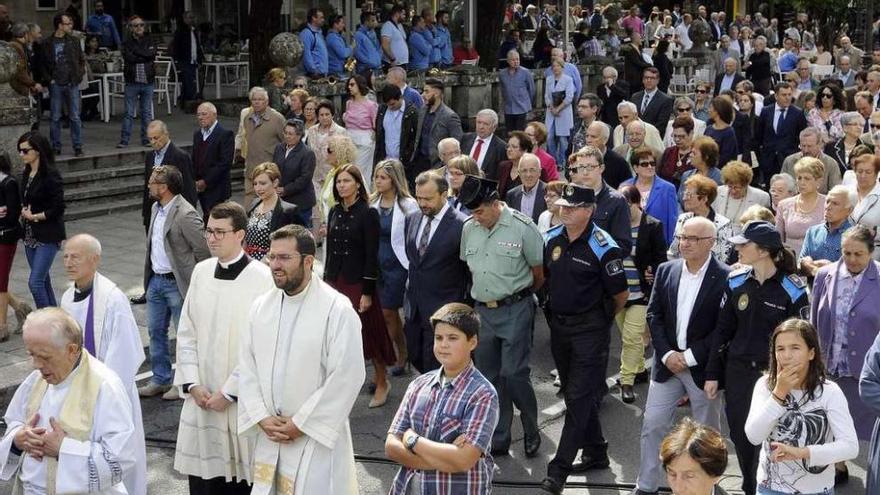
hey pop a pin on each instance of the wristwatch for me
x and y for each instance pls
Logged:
(411, 441)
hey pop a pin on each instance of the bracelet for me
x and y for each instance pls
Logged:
(780, 401)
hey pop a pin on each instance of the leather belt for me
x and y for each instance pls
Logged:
(515, 298)
(167, 276)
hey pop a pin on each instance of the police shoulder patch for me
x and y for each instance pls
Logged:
(738, 277)
(614, 267)
(797, 281)
(805, 313)
(600, 237)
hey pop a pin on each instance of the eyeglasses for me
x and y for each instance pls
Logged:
(585, 168)
(284, 258)
(24, 151)
(218, 234)
(689, 194)
(684, 109)
(691, 238)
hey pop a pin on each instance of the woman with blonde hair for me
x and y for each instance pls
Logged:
(296, 103)
(736, 195)
(340, 151)
(276, 78)
(456, 169)
(268, 212)
(756, 213)
(797, 214)
(392, 199)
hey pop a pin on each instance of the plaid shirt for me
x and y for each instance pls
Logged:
(467, 405)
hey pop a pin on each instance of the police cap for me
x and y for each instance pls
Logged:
(575, 196)
(762, 233)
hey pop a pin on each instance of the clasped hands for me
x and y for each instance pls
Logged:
(38, 442)
(208, 401)
(280, 429)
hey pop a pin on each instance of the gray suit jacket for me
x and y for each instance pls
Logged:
(514, 200)
(446, 124)
(184, 242)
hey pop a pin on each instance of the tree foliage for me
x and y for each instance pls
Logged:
(829, 16)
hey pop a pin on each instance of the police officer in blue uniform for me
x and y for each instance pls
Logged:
(586, 287)
(758, 298)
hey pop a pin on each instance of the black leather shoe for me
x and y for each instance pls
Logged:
(141, 299)
(532, 444)
(589, 463)
(644, 376)
(550, 485)
(500, 451)
(627, 394)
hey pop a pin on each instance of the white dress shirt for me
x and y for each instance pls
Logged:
(158, 256)
(688, 287)
(435, 222)
(206, 133)
(483, 150)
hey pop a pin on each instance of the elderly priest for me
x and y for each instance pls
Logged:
(69, 423)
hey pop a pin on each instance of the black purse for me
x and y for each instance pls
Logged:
(558, 97)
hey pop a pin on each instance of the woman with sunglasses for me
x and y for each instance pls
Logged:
(42, 213)
(360, 122)
(340, 151)
(658, 198)
(392, 199)
(701, 103)
(683, 107)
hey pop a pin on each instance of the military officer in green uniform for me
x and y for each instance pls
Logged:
(503, 250)
(586, 287)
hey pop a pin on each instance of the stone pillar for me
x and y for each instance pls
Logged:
(472, 94)
(15, 111)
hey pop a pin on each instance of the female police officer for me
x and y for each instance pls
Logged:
(755, 301)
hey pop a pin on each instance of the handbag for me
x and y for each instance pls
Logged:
(558, 97)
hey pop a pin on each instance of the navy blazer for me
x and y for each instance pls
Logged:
(663, 313)
(440, 276)
(774, 146)
(297, 169)
(658, 111)
(496, 153)
(215, 167)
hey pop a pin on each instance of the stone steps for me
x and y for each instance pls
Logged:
(108, 183)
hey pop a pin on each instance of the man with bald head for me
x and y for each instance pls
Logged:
(212, 153)
(69, 424)
(729, 78)
(110, 333)
(397, 77)
(528, 197)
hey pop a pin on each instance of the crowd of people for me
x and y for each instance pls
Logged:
(731, 233)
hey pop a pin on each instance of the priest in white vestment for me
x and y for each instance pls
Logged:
(301, 369)
(215, 312)
(69, 423)
(110, 333)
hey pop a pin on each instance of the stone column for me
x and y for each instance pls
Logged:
(15, 111)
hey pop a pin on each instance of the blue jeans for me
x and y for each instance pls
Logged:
(40, 260)
(557, 146)
(163, 303)
(71, 93)
(133, 91)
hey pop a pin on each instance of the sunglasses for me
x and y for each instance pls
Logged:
(24, 151)
(827, 95)
(685, 109)
(138, 25)
(701, 91)
(299, 86)
(645, 164)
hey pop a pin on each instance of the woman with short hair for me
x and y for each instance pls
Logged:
(782, 186)
(676, 159)
(268, 212)
(704, 158)
(296, 100)
(518, 144)
(340, 151)
(658, 198)
(796, 215)
(841, 149)
(736, 195)
(537, 132)
(558, 96)
(456, 170)
(550, 217)
(694, 457)
(699, 194)
(867, 210)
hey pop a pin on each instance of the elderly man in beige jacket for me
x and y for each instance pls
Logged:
(260, 129)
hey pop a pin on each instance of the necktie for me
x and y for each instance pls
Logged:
(476, 155)
(89, 337)
(426, 234)
(645, 102)
(780, 119)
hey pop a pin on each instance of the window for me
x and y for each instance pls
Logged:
(47, 5)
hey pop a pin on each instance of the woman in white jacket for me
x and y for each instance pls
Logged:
(799, 418)
(392, 198)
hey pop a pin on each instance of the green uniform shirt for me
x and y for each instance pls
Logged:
(501, 259)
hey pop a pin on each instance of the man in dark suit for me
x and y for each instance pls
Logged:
(616, 168)
(212, 153)
(436, 122)
(185, 38)
(395, 114)
(297, 164)
(437, 275)
(729, 78)
(682, 316)
(655, 106)
(528, 198)
(777, 132)
(487, 149)
(611, 92)
(634, 64)
(166, 153)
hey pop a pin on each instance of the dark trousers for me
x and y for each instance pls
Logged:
(188, 74)
(217, 486)
(419, 164)
(515, 122)
(580, 350)
(740, 379)
(420, 343)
